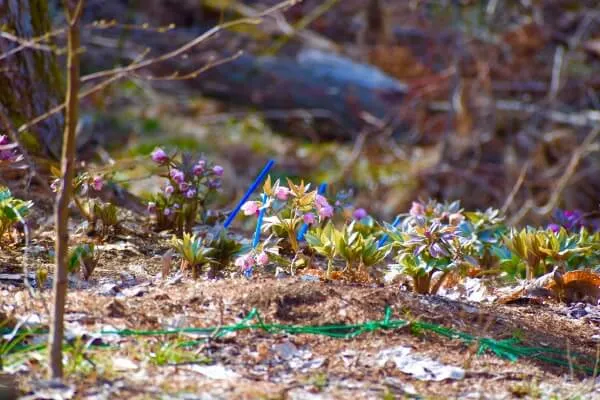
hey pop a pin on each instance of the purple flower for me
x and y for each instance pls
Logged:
(218, 170)
(199, 168)
(97, 183)
(184, 186)
(214, 183)
(55, 185)
(151, 207)
(6, 155)
(3, 140)
(282, 193)
(251, 207)
(321, 201)
(191, 193)
(177, 175)
(359, 214)
(159, 156)
(554, 228)
(571, 220)
(309, 218)
(169, 190)
(326, 212)
(167, 212)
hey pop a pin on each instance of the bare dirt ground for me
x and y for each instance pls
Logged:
(126, 292)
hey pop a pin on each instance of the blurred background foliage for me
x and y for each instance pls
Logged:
(487, 102)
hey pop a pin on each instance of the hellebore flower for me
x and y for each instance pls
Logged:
(191, 193)
(244, 262)
(282, 193)
(262, 258)
(309, 218)
(159, 156)
(218, 170)
(198, 168)
(169, 190)
(359, 214)
(326, 211)
(177, 175)
(214, 183)
(97, 183)
(554, 228)
(251, 207)
(183, 187)
(321, 201)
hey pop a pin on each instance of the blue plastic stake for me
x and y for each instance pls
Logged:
(304, 228)
(384, 238)
(259, 221)
(251, 190)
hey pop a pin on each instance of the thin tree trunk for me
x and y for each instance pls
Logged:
(30, 79)
(73, 10)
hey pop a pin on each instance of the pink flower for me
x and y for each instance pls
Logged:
(417, 209)
(218, 170)
(190, 193)
(251, 207)
(262, 258)
(359, 214)
(151, 207)
(169, 190)
(309, 218)
(97, 183)
(321, 201)
(177, 175)
(159, 156)
(326, 212)
(244, 262)
(282, 193)
(199, 167)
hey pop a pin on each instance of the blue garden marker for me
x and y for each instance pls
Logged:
(384, 238)
(259, 221)
(304, 228)
(251, 190)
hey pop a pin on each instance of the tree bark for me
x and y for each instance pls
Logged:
(30, 79)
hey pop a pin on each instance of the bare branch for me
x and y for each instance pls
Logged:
(189, 45)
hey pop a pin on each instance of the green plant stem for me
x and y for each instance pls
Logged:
(82, 209)
(293, 241)
(329, 267)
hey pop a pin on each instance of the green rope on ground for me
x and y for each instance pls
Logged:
(509, 349)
